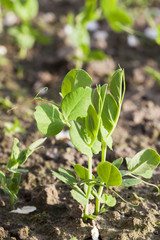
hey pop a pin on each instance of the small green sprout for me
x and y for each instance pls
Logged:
(79, 36)
(17, 158)
(12, 128)
(5, 103)
(154, 73)
(92, 116)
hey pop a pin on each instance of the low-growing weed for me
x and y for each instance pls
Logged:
(10, 185)
(91, 116)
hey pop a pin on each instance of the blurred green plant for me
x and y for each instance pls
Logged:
(154, 73)
(10, 185)
(24, 35)
(92, 11)
(5, 103)
(12, 128)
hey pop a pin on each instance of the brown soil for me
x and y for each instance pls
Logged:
(58, 216)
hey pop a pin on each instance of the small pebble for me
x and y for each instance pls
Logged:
(2, 203)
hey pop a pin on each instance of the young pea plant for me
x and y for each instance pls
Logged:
(92, 116)
(79, 36)
(17, 158)
(24, 35)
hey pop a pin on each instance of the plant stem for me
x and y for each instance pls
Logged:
(89, 189)
(100, 191)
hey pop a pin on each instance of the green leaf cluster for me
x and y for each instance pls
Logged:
(25, 9)
(91, 115)
(17, 158)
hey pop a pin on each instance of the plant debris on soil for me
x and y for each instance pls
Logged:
(57, 215)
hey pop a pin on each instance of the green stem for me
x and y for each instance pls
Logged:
(134, 205)
(100, 191)
(89, 189)
(147, 183)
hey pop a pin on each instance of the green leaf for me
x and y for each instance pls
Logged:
(36, 144)
(109, 174)
(96, 55)
(7, 4)
(79, 196)
(108, 200)
(115, 85)
(78, 140)
(109, 113)
(127, 182)
(65, 177)
(96, 99)
(143, 163)
(68, 174)
(49, 119)
(74, 79)
(81, 171)
(75, 104)
(105, 138)
(103, 91)
(118, 162)
(17, 170)
(24, 154)
(12, 162)
(92, 123)
(108, 6)
(26, 10)
(96, 146)
(2, 178)
(124, 172)
(118, 18)
(13, 183)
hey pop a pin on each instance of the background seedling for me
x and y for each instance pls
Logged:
(77, 28)
(154, 73)
(17, 158)
(12, 128)
(25, 35)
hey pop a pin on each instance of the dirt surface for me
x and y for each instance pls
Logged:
(58, 216)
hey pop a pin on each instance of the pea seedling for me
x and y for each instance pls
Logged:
(17, 158)
(92, 116)
(24, 34)
(79, 36)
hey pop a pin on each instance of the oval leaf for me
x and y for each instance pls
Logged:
(81, 171)
(78, 140)
(74, 79)
(92, 123)
(143, 163)
(79, 196)
(76, 103)
(127, 182)
(48, 119)
(109, 113)
(109, 174)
